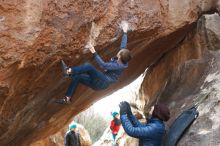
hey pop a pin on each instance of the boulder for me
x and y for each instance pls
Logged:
(184, 75)
(35, 35)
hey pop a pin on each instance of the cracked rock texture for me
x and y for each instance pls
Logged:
(36, 34)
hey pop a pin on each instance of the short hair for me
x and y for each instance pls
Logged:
(161, 112)
(125, 55)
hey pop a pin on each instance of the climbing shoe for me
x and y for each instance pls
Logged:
(64, 68)
(64, 100)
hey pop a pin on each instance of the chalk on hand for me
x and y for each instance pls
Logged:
(124, 26)
(87, 46)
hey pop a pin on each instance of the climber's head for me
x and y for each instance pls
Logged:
(124, 55)
(72, 126)
(161, 112)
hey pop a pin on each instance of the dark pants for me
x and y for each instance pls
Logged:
(89, 76)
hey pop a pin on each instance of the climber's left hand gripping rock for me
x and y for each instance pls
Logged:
(91, 48)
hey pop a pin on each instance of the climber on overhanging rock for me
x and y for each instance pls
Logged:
(88, 75)
(149, 134)
(115, 126)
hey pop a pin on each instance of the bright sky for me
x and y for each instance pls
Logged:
(110, 103)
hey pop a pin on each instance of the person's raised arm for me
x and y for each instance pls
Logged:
(136, 132)
(98, 59)
(135, 122)
(102, 64)
(124, 39)
(107, 65)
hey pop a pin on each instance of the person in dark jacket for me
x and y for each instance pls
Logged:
(150, 133)
(88, 75)
(115, 126)
(72, 138)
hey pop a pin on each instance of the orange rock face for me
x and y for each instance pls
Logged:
(35, 35)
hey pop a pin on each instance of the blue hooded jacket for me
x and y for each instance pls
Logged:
(149, 134)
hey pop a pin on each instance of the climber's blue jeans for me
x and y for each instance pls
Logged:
(88, 75)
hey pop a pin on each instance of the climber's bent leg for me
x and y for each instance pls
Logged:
(84, 79)
(87, 80)
(91, 71)
(65, 69)
(85, 68)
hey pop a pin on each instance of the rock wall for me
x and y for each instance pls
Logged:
(35, 35)
(184, 75)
